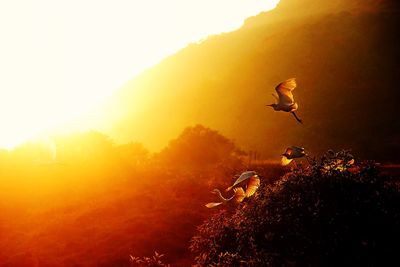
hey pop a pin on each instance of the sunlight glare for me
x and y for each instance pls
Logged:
(59, 59)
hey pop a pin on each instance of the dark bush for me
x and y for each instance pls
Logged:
(200, 147)
(331, 213)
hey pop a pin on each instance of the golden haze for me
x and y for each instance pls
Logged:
(61, 59)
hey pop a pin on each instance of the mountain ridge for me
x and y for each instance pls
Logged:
(342, 55)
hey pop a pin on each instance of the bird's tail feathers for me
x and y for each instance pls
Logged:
(213, 204)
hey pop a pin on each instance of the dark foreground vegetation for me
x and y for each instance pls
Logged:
(96, 202)
(331, 213)
(101, 204)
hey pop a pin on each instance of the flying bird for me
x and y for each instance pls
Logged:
(244, 176)
(285, 98)
(291, 153)
(251, 187)
(253, 183)
(239, 195)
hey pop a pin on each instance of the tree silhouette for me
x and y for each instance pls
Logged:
(319, 216)
(201, 147)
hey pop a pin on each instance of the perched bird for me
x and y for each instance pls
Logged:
(239, 195)
(285, 98)
(291, 153)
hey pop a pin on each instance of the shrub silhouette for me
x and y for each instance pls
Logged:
(315, 216)
(133, 154)
(200, 147)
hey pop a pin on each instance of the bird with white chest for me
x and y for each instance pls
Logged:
(285, 98)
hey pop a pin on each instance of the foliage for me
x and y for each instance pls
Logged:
(98, 201)
(154, 261)
(200, 147)
(134, 154)
(319, 215)
(333, 162)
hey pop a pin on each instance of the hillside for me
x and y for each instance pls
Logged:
(344, 55)
(102, 202)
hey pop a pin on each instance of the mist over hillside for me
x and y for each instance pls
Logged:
(344, 55)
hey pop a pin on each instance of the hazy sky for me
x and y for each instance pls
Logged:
(60, 58)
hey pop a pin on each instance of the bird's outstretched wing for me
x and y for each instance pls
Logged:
(252, 185)
(284, 90)
(239, 194)
(298, 152)
(244, 176)
(298, 149)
